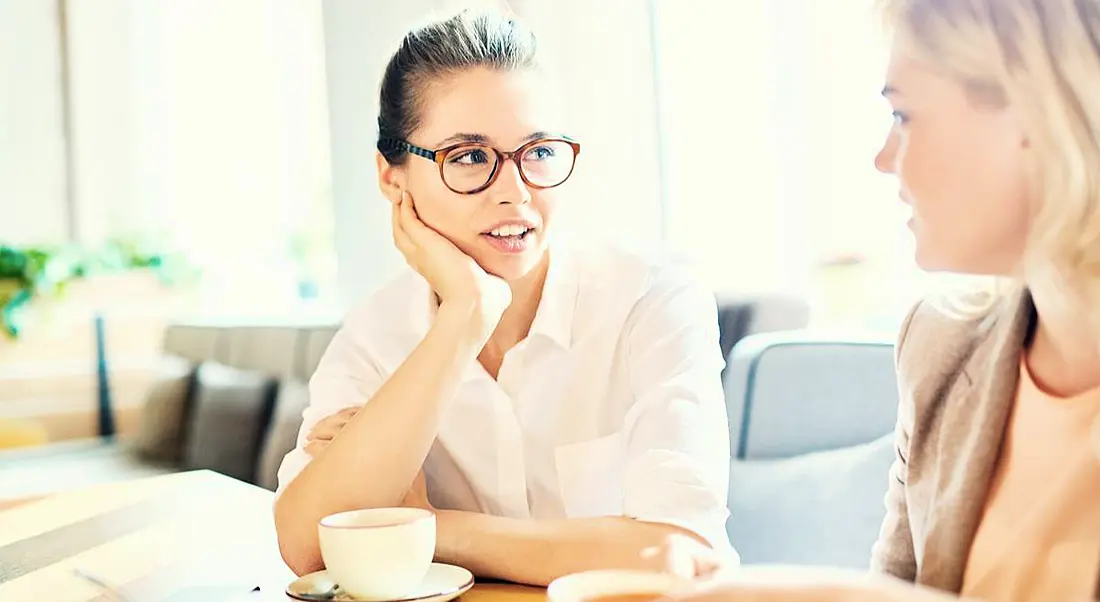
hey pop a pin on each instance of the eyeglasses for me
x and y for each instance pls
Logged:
(469, 168)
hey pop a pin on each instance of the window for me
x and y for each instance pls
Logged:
(196, 127)
(771, 117)
(199, 126)
(232, 145)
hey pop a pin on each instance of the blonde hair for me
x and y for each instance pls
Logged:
(1042, 58)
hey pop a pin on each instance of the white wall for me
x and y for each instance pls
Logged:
(105, 117)
(359, 37)
(734, 115)
(603, 57)
(32, 160)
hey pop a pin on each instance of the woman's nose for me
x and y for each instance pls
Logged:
(887, 155)
(510, 187)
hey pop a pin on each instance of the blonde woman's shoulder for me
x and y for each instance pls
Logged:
(940, 328)
(935, 340)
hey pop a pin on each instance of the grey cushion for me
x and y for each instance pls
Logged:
(282, 436)
(164, 413)
(273, 350)
(231, 411)
(823, 508)
(788, 394)
(193, 342)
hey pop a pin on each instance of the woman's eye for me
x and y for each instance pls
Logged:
(541, 152)
(900, 118)
(471, 157)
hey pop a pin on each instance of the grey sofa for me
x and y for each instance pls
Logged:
(228, 398)
(811, 431)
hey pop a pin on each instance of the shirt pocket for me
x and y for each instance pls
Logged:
(590, 476)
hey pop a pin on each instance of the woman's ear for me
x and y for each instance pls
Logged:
(391, 179)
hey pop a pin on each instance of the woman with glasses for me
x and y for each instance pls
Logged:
(558, 406)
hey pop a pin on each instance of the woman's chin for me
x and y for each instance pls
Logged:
(938, 264)
(512, 267)
(509, 273)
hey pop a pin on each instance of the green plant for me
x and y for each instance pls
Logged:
(27, 273)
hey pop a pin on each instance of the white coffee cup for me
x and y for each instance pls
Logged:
(378, 553)
(591, 586)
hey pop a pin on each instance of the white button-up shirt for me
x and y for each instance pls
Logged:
(612, 405)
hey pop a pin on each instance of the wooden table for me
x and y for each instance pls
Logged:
(194, 536)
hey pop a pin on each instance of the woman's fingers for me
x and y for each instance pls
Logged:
(451, 273)
(324, 431)
(327, 428)
(409, 220)
(686, 557)
(314, 448)
(420, 235)
(401, 238)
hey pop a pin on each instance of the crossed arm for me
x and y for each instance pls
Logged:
(532, 551)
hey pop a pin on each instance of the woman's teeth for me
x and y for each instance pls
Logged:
(510, 230)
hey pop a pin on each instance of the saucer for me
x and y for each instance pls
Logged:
(443, 582)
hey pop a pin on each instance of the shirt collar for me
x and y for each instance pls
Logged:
(554, 316)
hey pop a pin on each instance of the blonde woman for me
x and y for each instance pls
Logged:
(995, 493)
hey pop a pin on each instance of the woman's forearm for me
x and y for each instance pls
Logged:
(538, 551)
(378, 454)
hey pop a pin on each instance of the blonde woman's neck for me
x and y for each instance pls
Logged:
(1064, 352)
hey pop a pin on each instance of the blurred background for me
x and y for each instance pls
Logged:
(208, 166)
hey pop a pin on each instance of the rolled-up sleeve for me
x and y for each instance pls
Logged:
(677, 432)
(345, 377)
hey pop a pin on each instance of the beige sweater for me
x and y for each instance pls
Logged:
(957, 382)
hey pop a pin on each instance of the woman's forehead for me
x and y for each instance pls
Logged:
(505, 107)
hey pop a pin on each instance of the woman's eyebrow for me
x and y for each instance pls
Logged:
(463, 137)
(467, 137)
(537, 135)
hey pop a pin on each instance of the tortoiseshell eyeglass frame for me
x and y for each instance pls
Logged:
(438, 156)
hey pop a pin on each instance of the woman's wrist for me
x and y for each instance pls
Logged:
(450, 528)
(468, 320)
